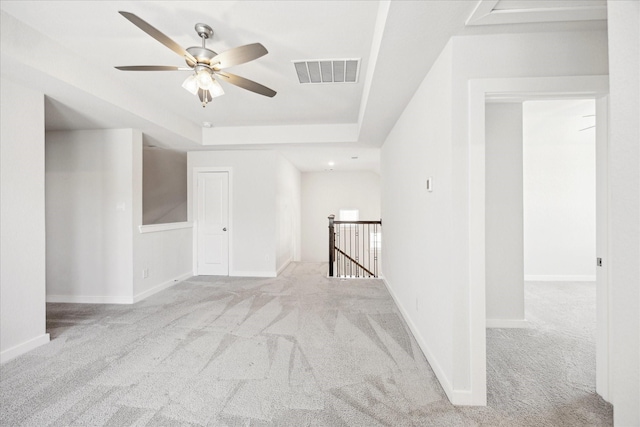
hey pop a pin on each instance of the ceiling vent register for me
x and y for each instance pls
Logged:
(328, 70)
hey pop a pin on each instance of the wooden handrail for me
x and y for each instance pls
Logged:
(358, 222)
(354, 261)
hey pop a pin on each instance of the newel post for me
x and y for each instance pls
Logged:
(332, 243)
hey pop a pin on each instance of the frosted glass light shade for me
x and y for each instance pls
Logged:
(191, 84)
(216, 89)
(205, 81)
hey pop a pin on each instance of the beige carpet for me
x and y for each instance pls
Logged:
(299, 350)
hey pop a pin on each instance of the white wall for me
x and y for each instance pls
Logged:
(325, 193)
(167, 257)
(164, 186)
(288, 213)
(504, 216)
(22, 221)
(162, 254)
(417, 224)
(559, 190)
(96, 252)
(71, 77)
(494, 56)
(90, 214)
(624, 192)
(252, 231)
(427, 236)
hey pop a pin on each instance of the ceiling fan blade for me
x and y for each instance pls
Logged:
(238, 55)
(247, 84)
(156, 34)
(152, 68)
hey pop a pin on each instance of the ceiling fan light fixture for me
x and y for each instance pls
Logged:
(191, 84)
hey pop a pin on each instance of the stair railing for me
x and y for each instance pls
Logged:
(354, 248)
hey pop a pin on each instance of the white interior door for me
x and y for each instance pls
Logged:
(213, 223)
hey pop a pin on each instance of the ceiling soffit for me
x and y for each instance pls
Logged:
(392, 32)
(492, 12)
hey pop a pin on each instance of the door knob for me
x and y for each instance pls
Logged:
(224, 229)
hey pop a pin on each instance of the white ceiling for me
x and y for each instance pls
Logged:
(95, 31)
(68, 49)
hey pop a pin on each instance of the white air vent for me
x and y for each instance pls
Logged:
(328, 70)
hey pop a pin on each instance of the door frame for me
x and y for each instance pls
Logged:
(603, 289)
(194, 209)
(514, 89)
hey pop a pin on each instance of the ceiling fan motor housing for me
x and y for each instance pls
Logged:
(202, 55)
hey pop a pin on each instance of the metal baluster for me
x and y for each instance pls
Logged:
(341, 247)
(332, 243)
(350, 264)
(357, 257)
(365, 239)
(350, 252)
(338, 253)
(375, 250)
(344, 246)
(341, 260)
(341, 256)
(369, 248)
(351, 238)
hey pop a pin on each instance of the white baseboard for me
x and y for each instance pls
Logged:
(559, 278)
(253, 274)
(96, 299)
(161, 287)
(20, 349)
(284, 265)
(465, 398)
(90, 299)
(507, 323)
(437, 369)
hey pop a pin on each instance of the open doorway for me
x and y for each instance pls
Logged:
(518, 90)
(540, 256)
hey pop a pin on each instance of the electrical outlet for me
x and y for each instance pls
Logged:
(145, 273)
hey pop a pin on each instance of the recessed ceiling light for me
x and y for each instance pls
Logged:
(331, 163)
(207, 124)
(354, 158)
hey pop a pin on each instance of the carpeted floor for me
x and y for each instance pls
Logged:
(299, 350)
(545, 374)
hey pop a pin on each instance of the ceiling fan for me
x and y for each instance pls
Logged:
(206, 64)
